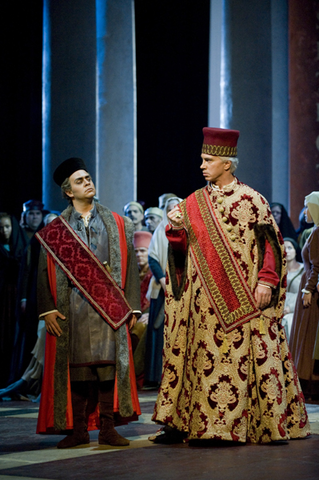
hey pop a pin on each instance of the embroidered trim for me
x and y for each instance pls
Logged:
(227, 290)
(219, 150)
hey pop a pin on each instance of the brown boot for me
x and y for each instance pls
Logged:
(80, 435)
(108, 435)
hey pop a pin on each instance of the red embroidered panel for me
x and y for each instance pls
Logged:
(85, 271)
(225, 286)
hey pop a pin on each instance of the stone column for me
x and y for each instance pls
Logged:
(304, 101)
(116, 114)
(215, 46)
(246, 95)
(280, 102)
(69, 89)
(250, 93)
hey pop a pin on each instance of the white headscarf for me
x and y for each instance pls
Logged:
(312, 202)
(159, 246)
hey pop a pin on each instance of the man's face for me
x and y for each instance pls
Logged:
(135, 214)
(82, 186)
(142, 257)
(214, 168)
(33, 218)
(5, 229)
(151, 221)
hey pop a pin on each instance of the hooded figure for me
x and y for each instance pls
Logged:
(304, 337)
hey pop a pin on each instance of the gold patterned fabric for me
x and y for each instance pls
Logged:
(248, 392)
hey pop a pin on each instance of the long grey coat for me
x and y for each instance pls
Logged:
(132, 293)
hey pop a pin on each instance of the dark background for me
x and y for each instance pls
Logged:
(172, 98)
(172, 95)
(20, 100)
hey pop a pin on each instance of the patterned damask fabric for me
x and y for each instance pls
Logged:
(250, 393)
(85, 271)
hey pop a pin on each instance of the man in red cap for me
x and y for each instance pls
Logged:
(227, 370)
(88, 294)
(141, 243)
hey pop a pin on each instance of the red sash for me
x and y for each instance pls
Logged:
(226, 288)
(85, 271)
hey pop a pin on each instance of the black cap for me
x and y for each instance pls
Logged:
(33, 205)
(66, 168)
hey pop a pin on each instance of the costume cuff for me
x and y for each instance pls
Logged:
(47, 313)
(305, 291)
(265, 285)
(177, 238)
(267, 275)
(173, 227)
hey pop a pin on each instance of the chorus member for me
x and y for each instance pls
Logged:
(295, 270)
(135, 212)
(306, 314)
(141, 244)
(163, 198)
(12, 246)
(283, 221)
(153, 217)
(157, 258)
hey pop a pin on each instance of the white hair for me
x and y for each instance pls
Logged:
(234, 162)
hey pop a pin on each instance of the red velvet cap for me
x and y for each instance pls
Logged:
(142, 239)
(220, 142)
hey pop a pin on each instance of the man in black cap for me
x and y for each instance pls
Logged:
(32, 216)
(88, 292)
(26, 311)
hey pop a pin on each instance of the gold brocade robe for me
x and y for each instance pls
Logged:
(248, 391)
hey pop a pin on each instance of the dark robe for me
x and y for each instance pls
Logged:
(9, 272)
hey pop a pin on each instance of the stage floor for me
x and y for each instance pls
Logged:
(25, 455)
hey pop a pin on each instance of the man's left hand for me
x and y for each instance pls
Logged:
(132, 321)
(262, 296)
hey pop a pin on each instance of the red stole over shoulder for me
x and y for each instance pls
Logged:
(46, 422)
(225, 286)
(85, 271)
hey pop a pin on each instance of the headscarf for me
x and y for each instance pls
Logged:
(285, 226)
(312, 202)
(303, 224)
(159, 246)
(10, 260)
(296, 247)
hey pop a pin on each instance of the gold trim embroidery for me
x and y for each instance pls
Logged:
(247, 309)
(219, 150)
